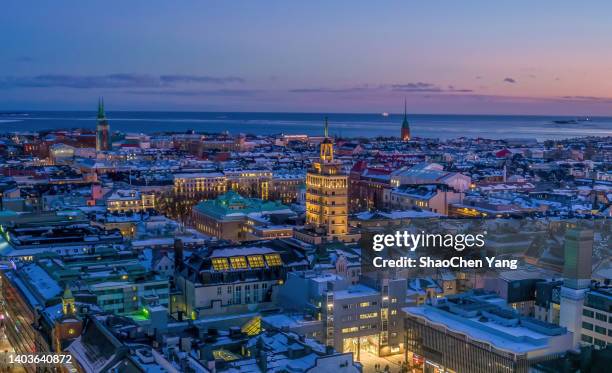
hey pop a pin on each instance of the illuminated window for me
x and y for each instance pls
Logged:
(238, 262)
(256, 261)
(273, 260)
(350, 330)
(364, 304)
(220, 264)
(368, 315)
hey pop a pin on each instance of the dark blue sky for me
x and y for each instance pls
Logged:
(519, 57)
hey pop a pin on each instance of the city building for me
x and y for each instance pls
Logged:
(102, 347)
(436, 198)
(118, 344)
(476, 206)
(597, 317)
(547, 305)
(327, 194)
(61, 153)
(349, 317)
(236, 218)
(473, 333)
(518, 287)
(232, 280)
(114, 281)
(130, 200)
(205, 185)
(578, 254)
(62, 235)
(20, 317)
(286, 352)
(286, 187)
(252, 183)
(367, 187)
(430, 173)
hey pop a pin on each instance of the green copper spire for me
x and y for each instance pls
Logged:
(101, 108)
(405, 121)
(326, 127)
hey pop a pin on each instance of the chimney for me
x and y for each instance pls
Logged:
(178, 254)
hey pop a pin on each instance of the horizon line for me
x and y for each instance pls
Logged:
(22, 111)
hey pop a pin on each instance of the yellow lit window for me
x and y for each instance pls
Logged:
(364, 304)
(238, 262)
(220, 264)
(368, 315)
(256, 261)
(273, 260)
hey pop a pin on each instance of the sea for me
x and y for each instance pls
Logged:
(342, 125)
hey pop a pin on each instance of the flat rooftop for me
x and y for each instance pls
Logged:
(355, 291)
(518, 338)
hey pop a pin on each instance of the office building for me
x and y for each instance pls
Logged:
(236, 218)
(205, 185)
(235, 279)
(578, 253)
(327, 195)
(349, 317)
(597, 318)
(124, 200)
(473, 333)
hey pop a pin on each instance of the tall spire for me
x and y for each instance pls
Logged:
(101, 108)
(326, 127)
(405, 121)
(102, 129)
(405, 134)
(327, 146)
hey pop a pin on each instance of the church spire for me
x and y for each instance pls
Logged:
(326, 128)
(101, 114)
(405, 134)
(102, 129)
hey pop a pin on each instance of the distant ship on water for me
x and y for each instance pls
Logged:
(572, 121)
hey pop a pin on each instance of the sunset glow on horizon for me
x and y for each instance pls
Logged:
(468, 57)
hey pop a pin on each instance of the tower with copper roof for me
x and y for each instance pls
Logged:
(102, 129)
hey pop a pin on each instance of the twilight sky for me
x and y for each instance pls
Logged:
(490, 57)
